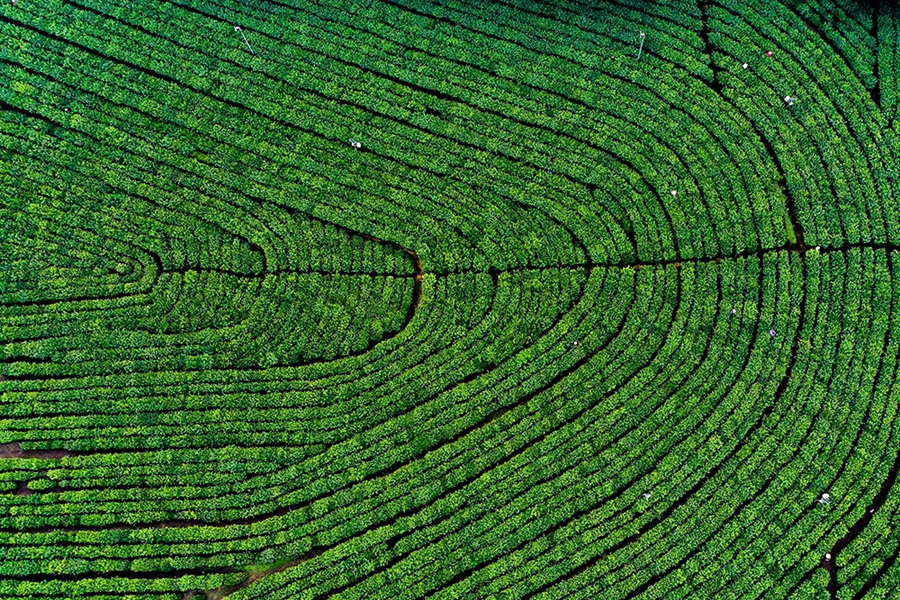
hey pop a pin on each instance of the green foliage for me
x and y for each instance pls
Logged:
(564, 324)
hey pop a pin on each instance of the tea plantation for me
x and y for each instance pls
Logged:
(449, 299)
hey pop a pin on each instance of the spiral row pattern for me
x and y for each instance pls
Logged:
(394, 299)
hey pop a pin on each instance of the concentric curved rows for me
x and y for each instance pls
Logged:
(558, 323)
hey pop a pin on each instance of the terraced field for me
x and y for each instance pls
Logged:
(449, 299)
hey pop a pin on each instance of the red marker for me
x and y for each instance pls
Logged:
(769, 53)
(13, 2)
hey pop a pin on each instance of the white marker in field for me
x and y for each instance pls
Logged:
(825, 499)
(642, 35)
(240, 31)
(646, 495)
(674, 193)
